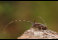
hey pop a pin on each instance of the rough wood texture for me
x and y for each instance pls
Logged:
(38, 34)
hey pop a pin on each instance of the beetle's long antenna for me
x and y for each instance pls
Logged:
(7, 25)
(43, 21)
(15, 21)
(34, 21)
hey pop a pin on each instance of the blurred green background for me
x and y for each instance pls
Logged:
(11, 10)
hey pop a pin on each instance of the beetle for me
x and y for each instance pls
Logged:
(39, 25)
(35, 24)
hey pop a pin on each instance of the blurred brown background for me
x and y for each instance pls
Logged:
(11, 10)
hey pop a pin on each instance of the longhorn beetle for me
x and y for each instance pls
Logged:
(34, 24)
(38, 25)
